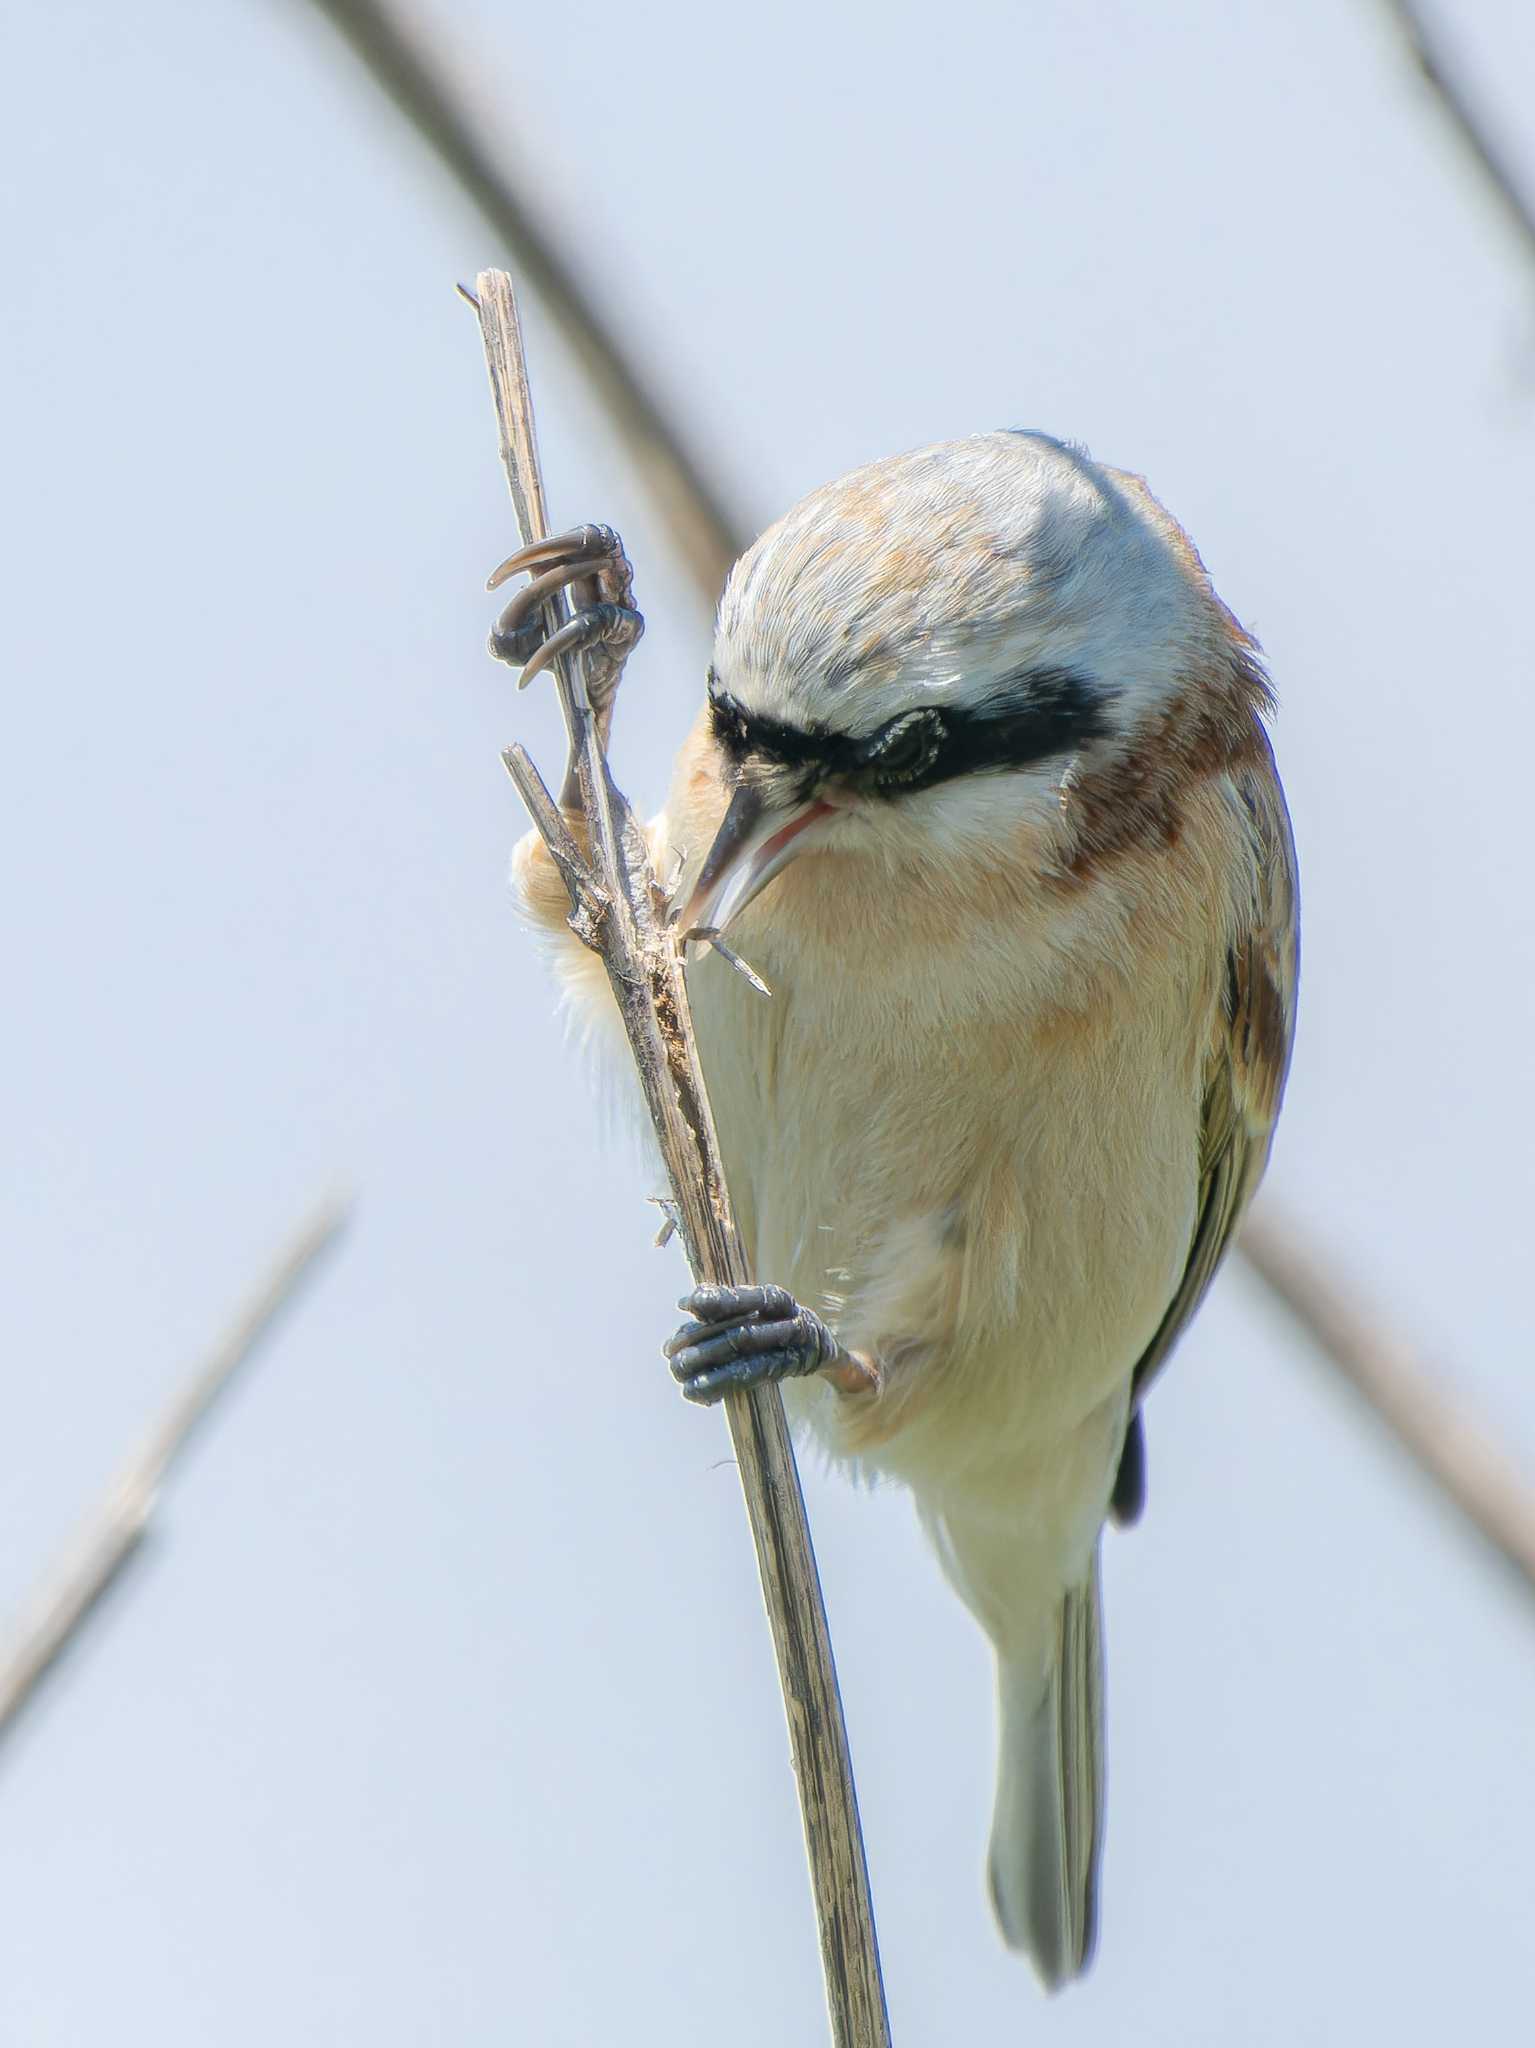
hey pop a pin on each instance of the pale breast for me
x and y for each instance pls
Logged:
(989, 1186)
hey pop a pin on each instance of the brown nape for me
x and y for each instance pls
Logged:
(1136, 799)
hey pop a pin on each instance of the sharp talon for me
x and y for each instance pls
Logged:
(567, 639)
(527, 601)
(536, 556)
(600, 625)
(551, 649)
(507, 569)
(596, 544)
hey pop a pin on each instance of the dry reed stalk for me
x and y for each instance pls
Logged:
(618, 908)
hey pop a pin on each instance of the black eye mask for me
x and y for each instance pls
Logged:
(1036, 715)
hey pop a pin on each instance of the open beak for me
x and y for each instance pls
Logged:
(752, 844)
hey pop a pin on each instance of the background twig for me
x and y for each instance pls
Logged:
(618, 910)
(1438, 68)
(112, 1530)
(1455, 1452)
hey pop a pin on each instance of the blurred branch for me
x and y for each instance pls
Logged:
(111, 1531)
(410, 60)
(1447, 1444)
(618, 909)
(1439, 72)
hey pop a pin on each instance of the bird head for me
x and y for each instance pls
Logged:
(925, 662)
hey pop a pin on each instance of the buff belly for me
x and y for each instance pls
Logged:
(999, 1212)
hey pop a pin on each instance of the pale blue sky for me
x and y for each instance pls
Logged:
(441, 1708)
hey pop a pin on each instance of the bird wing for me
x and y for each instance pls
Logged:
(1244, 1081)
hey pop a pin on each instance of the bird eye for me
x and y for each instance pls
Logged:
(906, 747)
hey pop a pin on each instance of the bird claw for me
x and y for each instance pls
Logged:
(746, 1337)
(591, 544)
(590, 562)
(607, 629)
(603, 625)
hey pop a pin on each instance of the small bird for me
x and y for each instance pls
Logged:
(981, 789)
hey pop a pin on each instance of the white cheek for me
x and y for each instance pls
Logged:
(975, 814)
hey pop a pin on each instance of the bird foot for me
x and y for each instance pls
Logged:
(590, 562)
(747, 1336)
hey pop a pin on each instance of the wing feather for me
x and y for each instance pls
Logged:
(1244, 1082)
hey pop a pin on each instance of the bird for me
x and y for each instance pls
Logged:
(981, 789)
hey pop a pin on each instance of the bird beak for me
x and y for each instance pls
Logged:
(752, 844)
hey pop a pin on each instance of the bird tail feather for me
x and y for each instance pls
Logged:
(1048, 1827)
